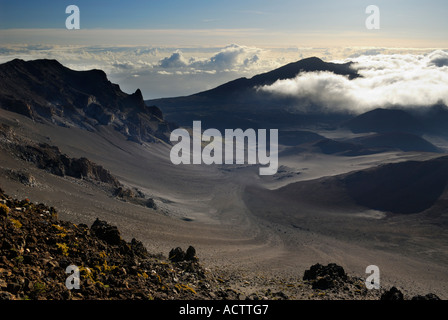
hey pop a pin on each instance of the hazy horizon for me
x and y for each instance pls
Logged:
(183, 48)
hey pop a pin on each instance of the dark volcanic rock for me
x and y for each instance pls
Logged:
(429, 296)
(51, 159)
(106, 232)
(138, 248)
(392, 295)
(134, 196)
(178, 255)
(325, 277)
(123, 192)
(45, 90)
(36, 248)
(332, 270)
(190, 255)
(22, 176)
(151, 204)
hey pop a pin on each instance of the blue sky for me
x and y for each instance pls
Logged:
(176, 14)
(418, 22)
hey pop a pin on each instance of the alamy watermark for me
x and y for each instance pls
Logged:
(228, 149)
(73, 21)
(373, 21)
(73, 280)
(373, 281)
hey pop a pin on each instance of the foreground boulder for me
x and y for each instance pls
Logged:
(392, 295)
(106, 232)
(178, 255)
(429, 296)
(325, 277)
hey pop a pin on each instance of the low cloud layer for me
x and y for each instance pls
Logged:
(404, 80)
(157, 71)
(168, 71)
(231, 58)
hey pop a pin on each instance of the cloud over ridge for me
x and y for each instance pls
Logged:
(230, 58)
(176, 71)
(394, 80)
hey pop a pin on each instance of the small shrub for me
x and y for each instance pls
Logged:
(16, 223)
(63, 248)
(18, 259)
(86, 273)
(4, 210)
(59, 228)
(38, 288)
(143, 275)
(184, 287)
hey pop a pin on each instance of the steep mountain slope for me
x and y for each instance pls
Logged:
(288, 71)
(239, 104)
(45, 90)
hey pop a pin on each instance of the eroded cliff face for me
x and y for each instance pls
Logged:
(45, 90)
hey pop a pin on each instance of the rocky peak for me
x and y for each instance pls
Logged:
(47, 91)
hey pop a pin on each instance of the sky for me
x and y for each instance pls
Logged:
(257, 22)
(170, 48)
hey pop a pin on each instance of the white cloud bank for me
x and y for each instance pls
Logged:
(405, 80)
(231, 58)
(157, 71)
(175, 71)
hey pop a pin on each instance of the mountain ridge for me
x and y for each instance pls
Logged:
(238, 103)
(45, 90)
(287, 71)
